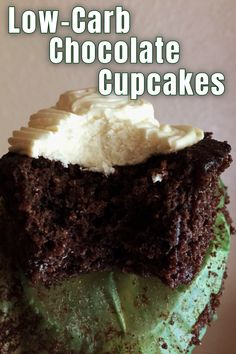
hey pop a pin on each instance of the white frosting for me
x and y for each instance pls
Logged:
(100, 132)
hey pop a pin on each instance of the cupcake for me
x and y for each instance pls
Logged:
(114, 230)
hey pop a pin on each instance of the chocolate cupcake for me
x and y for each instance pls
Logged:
(115, 230)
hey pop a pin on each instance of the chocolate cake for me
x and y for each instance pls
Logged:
(65, 221)
(114, 231)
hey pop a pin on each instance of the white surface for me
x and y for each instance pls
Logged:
(206, 30)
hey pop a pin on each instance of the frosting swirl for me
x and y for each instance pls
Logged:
(100, 132)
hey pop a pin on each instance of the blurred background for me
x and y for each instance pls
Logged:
(206, 30)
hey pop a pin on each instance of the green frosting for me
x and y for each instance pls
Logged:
(125, 313)
(114, 313)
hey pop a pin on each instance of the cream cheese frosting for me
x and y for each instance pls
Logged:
(98, 132)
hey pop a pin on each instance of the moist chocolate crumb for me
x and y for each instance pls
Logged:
(65, 221)
(164, 346)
